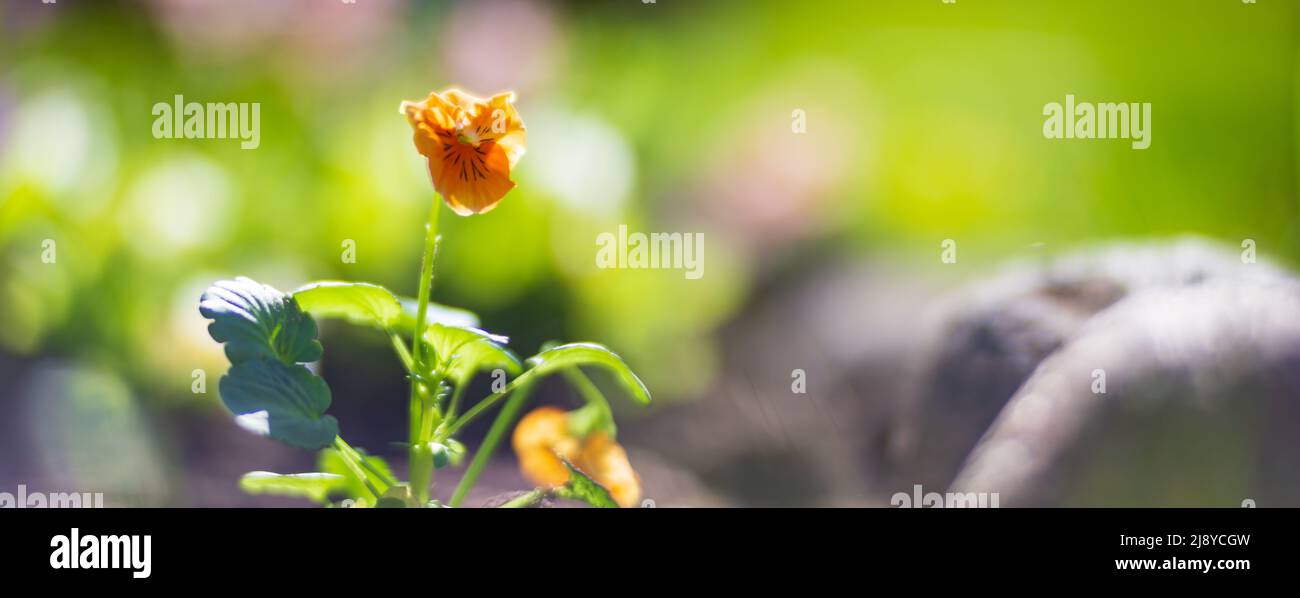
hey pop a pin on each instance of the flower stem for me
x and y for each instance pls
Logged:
(342, 447)
(426, 282)
(420, 458)
(455, 401)
(403, 354)
(346, 448)
(486, 403)
(490, 442)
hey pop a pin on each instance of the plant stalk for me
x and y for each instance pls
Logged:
(361, 460)
(420, 459)
(490, 442)
(426, 282)
(341, 447)
(403, 354)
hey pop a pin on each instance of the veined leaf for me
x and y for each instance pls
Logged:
(267, 336)
(313, 486)
(463, 352)
(437, 314)
(581, 487)
(360, 303)
(367, 304)
(256, 321)
(288, 400)
(576, 354)
(559, 358)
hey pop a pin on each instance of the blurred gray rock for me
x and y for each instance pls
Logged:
(905, 378)
(991, 336)
(1199, 405)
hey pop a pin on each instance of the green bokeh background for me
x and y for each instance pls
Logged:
(924, 123)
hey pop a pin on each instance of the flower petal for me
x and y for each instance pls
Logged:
(536, 440)
(472, 180)
(500, 122)
(606, 462)
(470, 145)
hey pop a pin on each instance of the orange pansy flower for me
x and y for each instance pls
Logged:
(471, 145)
(543, 436)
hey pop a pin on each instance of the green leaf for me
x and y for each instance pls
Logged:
(581, 487)
(285, 402)
(359, 303)
(267, 335)
(329, 460)
(256, 321)
(313, 486)
(576, 354)
(463, 352)
(590, 418)
(596, 414)
(437, 314)
(560, 358)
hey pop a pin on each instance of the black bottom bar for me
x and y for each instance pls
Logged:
(304, 548)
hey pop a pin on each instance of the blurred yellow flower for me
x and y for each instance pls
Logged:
(543, 436)
(470, 144)
(538, 439)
